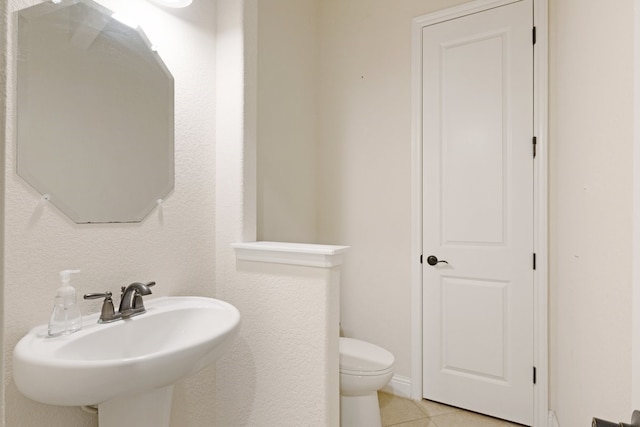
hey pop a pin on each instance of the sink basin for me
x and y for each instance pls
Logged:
(175, 338)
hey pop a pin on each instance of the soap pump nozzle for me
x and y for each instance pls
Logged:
(65, 276)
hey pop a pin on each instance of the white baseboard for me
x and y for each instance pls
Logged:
(553, 420)
(399, 386)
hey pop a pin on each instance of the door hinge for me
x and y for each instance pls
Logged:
(534, 261)
(420, 258)
(534, 143)
(533, 35)
(534, 374)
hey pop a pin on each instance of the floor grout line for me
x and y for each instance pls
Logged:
(424, 417)
(398, 411)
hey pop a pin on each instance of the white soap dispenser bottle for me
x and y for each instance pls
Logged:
(65, 317)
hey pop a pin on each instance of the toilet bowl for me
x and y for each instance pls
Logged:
(364, 369)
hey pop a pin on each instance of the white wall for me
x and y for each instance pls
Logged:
(591, 202)
(363, 201)
(177, 248)
(364, 182)
(364, 162)
(287, 98)
(3, 103)
(283, 368)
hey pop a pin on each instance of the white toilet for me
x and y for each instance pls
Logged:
(364, 369)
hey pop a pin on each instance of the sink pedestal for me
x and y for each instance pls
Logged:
(152, 409)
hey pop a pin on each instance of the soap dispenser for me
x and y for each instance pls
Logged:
(65, 317)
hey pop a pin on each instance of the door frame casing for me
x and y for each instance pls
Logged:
(541, 222)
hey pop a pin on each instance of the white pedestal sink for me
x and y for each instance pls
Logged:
(128, 366)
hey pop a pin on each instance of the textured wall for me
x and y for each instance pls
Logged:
(175, 247)
(283, 369)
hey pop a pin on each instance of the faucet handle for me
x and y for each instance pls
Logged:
(105, 295)
(108, 312)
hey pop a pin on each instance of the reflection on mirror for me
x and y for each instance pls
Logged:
(94, 113)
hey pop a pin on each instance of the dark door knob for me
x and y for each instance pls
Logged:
(433, 260)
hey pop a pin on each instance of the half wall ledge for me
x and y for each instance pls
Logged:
(307, 254)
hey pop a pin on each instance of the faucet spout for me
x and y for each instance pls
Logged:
(131, 302)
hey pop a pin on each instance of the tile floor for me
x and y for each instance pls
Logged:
(399, 412)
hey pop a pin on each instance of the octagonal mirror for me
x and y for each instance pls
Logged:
(95, 113)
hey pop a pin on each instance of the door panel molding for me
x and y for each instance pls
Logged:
(541, 390)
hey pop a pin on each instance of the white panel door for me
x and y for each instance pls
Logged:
(478, 212)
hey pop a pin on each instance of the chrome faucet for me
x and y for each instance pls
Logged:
(131, 303)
